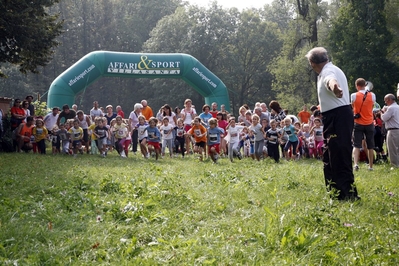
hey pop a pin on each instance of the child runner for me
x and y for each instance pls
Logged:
(179, 140)
(76, 133)
(41, 134)
(101, 133)
(259, 135)
(120, 132)
(234, 131)
(167, 136)
(272, 136)
(244, 141)
(292, 139)
(142, 135)
(64, 138)
(317, 132)
(214, 138)
(188, 114)
(154, 136)
(93, 137)
(199, 133)
(55, 140)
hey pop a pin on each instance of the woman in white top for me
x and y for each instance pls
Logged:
(133, 121)
(188, 114)
(167, 112)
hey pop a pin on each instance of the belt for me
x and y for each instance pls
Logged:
(392, 129)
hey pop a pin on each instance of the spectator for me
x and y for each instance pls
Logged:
(110, 114)
(304, 115)
(66, 113)
(17, 114)
(214, 111)
(50, 120)
(277, 112)
(24, 134)
(95, 111)
(120, 112)
(134, 121)
(390, 115)
(333, 94)
(363, 103)
(31, 107)
(146, 111)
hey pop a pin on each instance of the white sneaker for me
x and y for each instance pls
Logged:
(123, 155)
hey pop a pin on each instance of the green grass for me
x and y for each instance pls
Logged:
(57, 210)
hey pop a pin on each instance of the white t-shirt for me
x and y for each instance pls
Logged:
(165, 130)
(327, 99)
(189, 116)
(50, 121)
(234, 133)
(96, 113)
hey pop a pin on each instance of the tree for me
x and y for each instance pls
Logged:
(359, 41)
(27, 33)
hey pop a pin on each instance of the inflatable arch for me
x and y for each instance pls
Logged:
(136, 65)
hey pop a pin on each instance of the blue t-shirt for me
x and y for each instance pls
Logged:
(205, 118)
(153, 134)
(214, 135)
(290, 130)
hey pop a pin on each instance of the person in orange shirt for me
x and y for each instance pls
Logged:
(304, 115)
(146, 111)
(198, 131)
(363, 103)
(24, 133)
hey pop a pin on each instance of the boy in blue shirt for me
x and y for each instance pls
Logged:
(214, 133)
(154, 136)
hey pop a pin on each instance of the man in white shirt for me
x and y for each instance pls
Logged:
(390, 116)
(333, 94)
(50, 120)
(95, 111)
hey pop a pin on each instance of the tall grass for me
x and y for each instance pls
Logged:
(57, 210)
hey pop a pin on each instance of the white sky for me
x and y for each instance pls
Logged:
(240, 4)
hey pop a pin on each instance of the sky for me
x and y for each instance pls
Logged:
(240, 4)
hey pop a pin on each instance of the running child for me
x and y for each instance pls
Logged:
(180, 139)
(272, 136)
(289, 129)
(234, 131)
(198, 131)
(101, 134)
(154, 136)
(120, 132)
(41, 134)
(76, 133)
(142, 135)
(259, 134)
(167, 136)
(215, 134)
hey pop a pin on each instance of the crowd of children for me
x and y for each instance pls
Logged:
(212, 134)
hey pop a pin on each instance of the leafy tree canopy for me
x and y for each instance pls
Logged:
(27, 33)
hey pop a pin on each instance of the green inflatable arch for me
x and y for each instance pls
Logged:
(136, 65)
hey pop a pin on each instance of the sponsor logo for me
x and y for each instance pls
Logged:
(196, 70)
(145, 67)
(81, 75)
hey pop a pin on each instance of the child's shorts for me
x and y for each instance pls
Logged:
(216, 146)
(154, 144)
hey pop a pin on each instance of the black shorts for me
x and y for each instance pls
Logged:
(201, 144)
(361, 132)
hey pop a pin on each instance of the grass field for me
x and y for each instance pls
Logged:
(57, 210)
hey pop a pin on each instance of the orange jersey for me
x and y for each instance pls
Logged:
(147, 112)
(365, 108)
(196, 131)
(304, 116)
